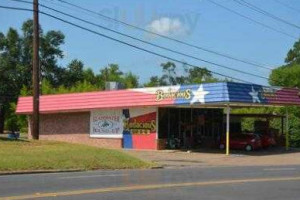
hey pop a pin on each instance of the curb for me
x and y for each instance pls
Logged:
(56, 171)
(157, 167)
(39, 171)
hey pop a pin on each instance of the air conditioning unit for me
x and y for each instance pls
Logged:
(113, 85)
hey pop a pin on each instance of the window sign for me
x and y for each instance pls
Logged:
(106, 124)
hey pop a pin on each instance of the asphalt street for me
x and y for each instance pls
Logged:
(259, 182)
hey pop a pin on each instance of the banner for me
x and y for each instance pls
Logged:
(106, 124)
(140, 128)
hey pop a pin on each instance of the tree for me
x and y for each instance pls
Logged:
(293, 56)
(16, 63)
(169, 73)
(130, 80)
(154, 82)
(90, 77)
(50, 52)
(172, 76)
(200, 75)
(288, 76)
(110, 73)
(74, 73)
(9, 76)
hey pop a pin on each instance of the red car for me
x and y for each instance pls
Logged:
(247, 142)
(267, 140)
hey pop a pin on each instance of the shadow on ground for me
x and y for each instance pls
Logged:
(260, 152)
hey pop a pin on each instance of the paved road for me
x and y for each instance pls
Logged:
(259, 182)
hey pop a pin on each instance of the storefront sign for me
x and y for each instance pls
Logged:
(106, 124)
(161, 95)
(144, 124)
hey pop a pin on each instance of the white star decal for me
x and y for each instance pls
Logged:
(254, 95)
(199, 95)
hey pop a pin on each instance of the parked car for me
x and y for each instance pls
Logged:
(267, 140)
(247, 142)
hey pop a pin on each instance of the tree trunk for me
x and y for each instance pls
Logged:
(1, 119)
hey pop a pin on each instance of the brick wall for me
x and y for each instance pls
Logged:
(71, 127)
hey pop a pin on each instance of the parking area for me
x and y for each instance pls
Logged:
(210, 158)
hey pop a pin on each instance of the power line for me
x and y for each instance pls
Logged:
(149, 43)
(264, 12)
(288, 6)
(128, 44)
(252, 20)
(140, 48)
(16, 8)
(155, 45)
(167, 37)
(122, 42)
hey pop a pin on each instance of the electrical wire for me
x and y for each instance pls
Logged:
(166, 37)
(264, 12)
(149, 43)
(126, 43)
(122, 42)
(253, 20)
(288, 6)
(155, 45)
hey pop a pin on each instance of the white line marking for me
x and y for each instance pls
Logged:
(93, 176)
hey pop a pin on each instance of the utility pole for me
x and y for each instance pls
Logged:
(36, 73)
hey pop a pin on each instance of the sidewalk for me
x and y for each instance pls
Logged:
(271, 157)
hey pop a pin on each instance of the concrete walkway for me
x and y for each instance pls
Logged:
(205, 158)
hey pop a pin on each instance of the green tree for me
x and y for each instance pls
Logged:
(90, 77)
(50, 52)
(172, 76)
(16, 63)
(169, 76)
(130, 80)
(288, 76)
(199, 75)
(111, 73)
(293, 56)
(9, 76)
(74, 73)
(154, 82)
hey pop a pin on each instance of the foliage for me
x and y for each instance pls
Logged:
(172, 76)
(16, 61)
(15, 122)
(293, 55)
(113, 73)
(286, 75)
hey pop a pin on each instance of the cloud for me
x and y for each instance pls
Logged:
(166, 26)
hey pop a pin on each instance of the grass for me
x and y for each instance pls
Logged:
(19, 155)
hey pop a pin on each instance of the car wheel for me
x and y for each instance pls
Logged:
(248, 147)
(222, 146)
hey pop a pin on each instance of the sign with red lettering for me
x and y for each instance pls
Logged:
(106, 124)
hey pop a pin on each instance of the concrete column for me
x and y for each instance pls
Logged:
(227, 129)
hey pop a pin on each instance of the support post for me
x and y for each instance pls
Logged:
(287, 137)
(35, 72)
(227, 129)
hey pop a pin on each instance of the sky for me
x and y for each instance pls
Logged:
(198, 22)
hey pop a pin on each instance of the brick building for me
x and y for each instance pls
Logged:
(149, 118)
